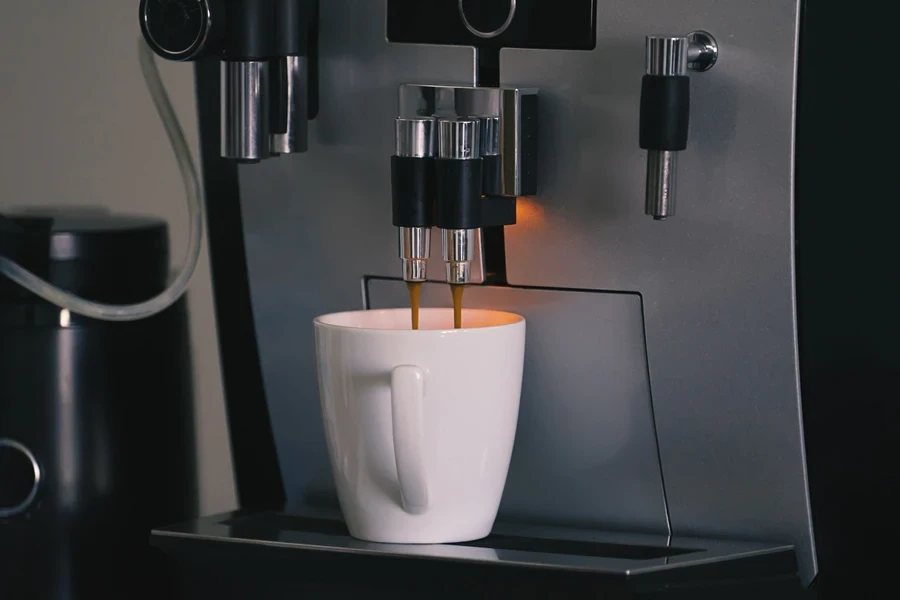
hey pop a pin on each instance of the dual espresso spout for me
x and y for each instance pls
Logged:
(440, 171)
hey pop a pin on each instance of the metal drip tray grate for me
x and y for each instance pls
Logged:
(605, 555)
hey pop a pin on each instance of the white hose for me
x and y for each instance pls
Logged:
(196, 218)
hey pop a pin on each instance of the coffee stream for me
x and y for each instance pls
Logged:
(415, 293)
(457, 291)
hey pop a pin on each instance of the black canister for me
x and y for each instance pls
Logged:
(96, 418)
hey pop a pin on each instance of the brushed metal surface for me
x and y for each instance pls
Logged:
(415, 137)
(503, 109)
(716, 280)
(245, 110)
(296, 98)
(585, 448)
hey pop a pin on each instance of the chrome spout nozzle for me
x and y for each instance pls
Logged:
(458, 252)
(415, 250)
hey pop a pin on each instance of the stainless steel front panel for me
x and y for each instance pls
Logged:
(716, 279)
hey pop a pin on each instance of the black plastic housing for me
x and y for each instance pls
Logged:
(27, 242)
(232, 29)
(250, 30)
(665, 112)
(10, 234)
(458, 198)
(492, 174)
(540, 24)
(105, 408)
(292, 39)
(413, 189)
(498, 211)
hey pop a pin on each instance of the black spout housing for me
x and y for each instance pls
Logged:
(458, 203)
(413, 188)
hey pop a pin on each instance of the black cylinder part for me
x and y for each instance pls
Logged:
(292, 26)
(665, 112)
(250, 30)
(458, 197)
(413, 188)
(492, 175)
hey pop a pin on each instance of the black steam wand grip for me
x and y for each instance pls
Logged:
(665, 111)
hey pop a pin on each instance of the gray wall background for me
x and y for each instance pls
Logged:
(78, 128)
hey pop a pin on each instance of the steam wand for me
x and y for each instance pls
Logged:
(665, 110)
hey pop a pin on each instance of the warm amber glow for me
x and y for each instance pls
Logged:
(529, 212)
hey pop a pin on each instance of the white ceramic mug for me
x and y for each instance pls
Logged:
(420, 424)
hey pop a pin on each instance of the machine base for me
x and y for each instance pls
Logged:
(273, 553)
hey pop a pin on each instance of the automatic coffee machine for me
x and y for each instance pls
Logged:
(664, 443)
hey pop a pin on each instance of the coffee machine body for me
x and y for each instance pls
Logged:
(661, 392)
(661, 400)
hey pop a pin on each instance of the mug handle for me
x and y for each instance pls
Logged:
(407, 415)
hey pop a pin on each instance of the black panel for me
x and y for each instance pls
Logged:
(256, 470)
(16, 477)
(548, 24)
(848, 284)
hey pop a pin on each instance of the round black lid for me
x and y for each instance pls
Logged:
(95, 234)
(98, 255)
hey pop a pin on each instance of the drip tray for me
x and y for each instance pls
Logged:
(606, 555)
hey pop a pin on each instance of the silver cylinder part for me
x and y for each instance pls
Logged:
(414, 270)
(245, 110)
(667, 55)
(458, 251)
(458, 273)
(415, 137)
(490, 136)
(660, 184)
(415, 250)
(459, 139)
(295, 137)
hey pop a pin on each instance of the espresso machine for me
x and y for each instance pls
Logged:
(643, 182)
